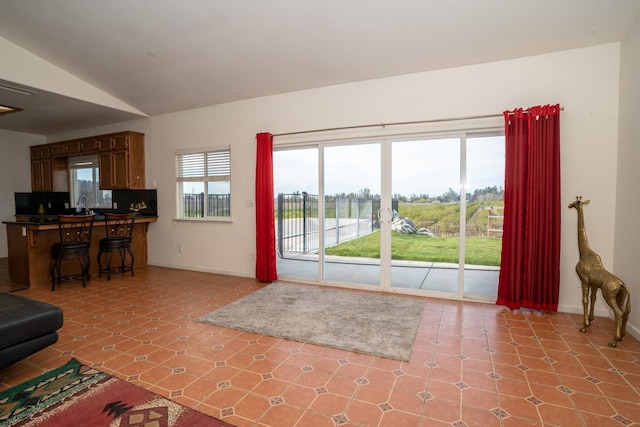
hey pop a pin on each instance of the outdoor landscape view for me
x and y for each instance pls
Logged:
(425, 202)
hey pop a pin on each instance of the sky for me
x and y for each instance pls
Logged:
(418, 167)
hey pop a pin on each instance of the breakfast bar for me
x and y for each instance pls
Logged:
(29, 244)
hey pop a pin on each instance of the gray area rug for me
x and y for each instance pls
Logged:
(380, 325)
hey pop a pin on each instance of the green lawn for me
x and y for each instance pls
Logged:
(441, 218)
(414, 247)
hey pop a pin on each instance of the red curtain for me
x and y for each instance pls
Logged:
(265, 228)
(530, 263)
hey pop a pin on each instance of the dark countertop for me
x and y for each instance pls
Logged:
(45, 223)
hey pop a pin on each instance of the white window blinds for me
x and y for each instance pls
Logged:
(212, 165)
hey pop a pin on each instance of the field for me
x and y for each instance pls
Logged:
(443, 220)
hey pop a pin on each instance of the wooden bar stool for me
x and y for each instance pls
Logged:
(75, 241)
(118, 239)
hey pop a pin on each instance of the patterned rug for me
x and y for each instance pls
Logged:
(76, 395)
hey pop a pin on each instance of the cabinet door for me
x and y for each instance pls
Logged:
(36, 176)
(58, 150)
(104, 143)
(41, 179)
(40, 152)
(88, 146)
(72, 148)
(120, 141)
(47, 179)
(41, 174)
(120, 169)
(106, 170)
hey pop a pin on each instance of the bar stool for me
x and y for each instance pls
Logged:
(119, 232)
(75, 241)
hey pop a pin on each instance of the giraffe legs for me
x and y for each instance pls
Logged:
(618, 299)
(588, 317)
(618, 335)
(625, 314)
(623, 303)
(594, 294)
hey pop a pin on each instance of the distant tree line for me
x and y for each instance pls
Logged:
(487, 194)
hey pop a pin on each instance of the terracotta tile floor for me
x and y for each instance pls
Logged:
(472, 364)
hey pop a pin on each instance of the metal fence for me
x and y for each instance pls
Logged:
(298, 223)
(217, 205)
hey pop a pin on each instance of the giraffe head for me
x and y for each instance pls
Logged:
(579, 203)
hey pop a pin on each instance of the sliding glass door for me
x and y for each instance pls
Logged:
(425, 228)
(297, 218)
(484, 178)
(352, 189)
(420, 215)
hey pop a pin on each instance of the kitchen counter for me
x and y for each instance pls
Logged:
(29, 242)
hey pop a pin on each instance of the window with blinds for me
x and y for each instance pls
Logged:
(204, 183)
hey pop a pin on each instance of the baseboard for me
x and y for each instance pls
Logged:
(202, 269)
(633, 331)
(574, 309)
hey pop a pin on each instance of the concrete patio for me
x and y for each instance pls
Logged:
(479, 281)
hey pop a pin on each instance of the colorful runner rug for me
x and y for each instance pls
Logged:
(76, 395)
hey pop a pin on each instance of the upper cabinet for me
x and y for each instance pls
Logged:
(41, 176)
(121, 161)
(76, 147)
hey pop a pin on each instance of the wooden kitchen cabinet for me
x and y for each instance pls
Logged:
(103, 142)
(88, 146)
(75, 147)
(58, 150)
(41, 172)
(122, 166)
(72, 148)
(120, 161)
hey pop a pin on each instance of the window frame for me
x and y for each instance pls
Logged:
(90, 161)
(213, 166)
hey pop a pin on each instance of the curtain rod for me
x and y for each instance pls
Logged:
(416, 122)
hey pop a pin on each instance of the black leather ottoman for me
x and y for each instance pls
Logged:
(26, 326)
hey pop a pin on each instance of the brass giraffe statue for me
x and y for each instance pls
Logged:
(594, 276)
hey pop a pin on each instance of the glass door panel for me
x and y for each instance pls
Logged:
(425, 242)
(352, 188)
(485, 204)
(297, 220)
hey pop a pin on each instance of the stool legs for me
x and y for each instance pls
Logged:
(55, 270)
(108, 253)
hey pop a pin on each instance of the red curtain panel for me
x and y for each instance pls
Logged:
(530, 262)
(265, 228)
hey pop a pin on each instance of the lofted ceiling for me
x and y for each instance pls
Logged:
(162, 56)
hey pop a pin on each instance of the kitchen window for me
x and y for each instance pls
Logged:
(85, 183)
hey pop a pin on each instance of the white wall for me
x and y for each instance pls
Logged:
(627, 230)
(23, 67)
(583, 81)
(15, 175)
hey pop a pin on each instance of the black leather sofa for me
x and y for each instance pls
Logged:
(26, 326)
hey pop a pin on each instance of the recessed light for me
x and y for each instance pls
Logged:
(4, 109)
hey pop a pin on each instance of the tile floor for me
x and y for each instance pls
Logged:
(472, 364)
